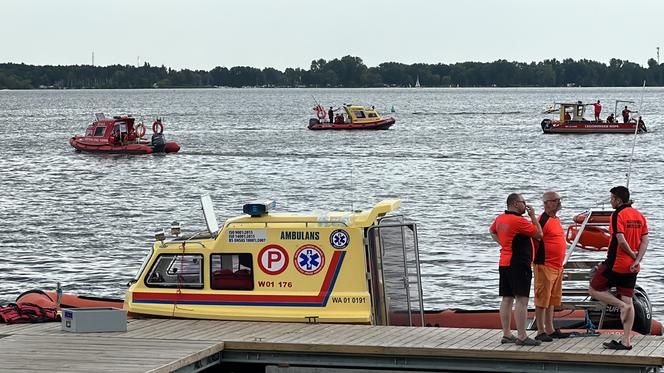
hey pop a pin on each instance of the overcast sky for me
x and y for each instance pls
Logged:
(202, 34)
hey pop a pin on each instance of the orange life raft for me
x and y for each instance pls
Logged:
(595, 236)
(48, 299)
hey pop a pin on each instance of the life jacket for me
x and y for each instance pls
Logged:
(14, 313)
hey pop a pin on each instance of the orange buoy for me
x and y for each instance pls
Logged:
(596, 217)
(592, 238)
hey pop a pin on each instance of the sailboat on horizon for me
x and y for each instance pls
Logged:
(417, 82)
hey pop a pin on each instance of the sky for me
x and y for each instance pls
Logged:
(203, 34)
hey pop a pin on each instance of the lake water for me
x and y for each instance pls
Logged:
(452, 157)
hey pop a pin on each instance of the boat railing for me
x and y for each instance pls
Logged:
(307, 223)
(193, 239)
(394, 270)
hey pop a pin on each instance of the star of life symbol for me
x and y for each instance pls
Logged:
(309, 259)
(339, 239)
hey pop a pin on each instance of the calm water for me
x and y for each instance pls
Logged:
(452, 157)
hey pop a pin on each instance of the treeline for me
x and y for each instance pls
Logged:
(347, 71)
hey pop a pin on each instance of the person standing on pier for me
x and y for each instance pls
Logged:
(513, 232)
(628, 245)
(548, 268)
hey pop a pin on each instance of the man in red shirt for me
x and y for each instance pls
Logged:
(548, 267)
(598, 110)
(514, 233)
(625, 114)
(628, 244)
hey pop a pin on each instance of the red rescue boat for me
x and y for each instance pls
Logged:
(121, 135)
(570, 119)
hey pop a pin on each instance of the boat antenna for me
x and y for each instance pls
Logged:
(315, 101)
(636, 131)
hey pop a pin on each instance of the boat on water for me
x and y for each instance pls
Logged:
(121, 134)
(359, 267)
(349, 117)
(570, 119)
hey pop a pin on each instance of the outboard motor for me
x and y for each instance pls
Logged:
(158, 142)
(313, 121)
(642, 314)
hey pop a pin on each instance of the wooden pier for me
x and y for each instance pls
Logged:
(166, 345)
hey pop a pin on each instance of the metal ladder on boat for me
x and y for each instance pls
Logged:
(576, 271)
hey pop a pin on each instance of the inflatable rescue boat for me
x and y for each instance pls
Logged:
(121, 135)
(570, 119)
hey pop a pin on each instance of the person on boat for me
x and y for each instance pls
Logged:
(625, 114)
(642, 125)
(330, 114)
(610, 118)
(567, 117)
(627, 246)
(114, 139)
(598, 110)
(548, 268)
(513, 232)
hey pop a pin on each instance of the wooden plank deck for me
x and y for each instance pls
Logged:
(163, 345)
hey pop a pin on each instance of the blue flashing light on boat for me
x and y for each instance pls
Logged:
(257, 209)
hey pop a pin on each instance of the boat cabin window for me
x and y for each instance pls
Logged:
(579, 111)
(176, 271)
(231, 272)
(358, 113)
(373, 115)
(99, 131)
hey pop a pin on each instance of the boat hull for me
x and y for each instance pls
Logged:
(576, 127)
(80, 144)
(451, 318)
(380, 125)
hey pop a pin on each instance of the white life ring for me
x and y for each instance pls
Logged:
(320, 112)
(140, 130)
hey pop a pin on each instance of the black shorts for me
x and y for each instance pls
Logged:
(515, 281)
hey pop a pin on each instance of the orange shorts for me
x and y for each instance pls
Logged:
(548, 286)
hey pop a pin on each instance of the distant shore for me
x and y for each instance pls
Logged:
(346, 72)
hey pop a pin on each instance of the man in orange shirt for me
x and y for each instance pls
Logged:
(548, 267)
(629, 241)
(598, 109)
(514, 233)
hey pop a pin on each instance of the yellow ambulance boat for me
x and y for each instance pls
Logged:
(359, 267)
